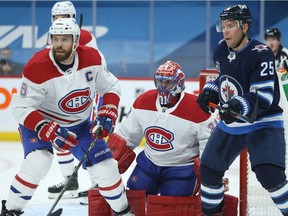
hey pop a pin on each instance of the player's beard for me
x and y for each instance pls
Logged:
(61, 55)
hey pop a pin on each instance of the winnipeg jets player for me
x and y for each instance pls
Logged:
(66, 9)
(53, 106)
(247, 79)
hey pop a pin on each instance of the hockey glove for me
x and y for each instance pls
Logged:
(106, 118)
(232, 105)
(60, 138)
(122, 153)
(209, 94)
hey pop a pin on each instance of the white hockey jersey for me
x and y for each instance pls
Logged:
(174, 136)
(62, 96)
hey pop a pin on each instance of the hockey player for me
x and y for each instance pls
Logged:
(175, 130)
(246, 75)
(66, 9)
(53, 106)
(273, 40)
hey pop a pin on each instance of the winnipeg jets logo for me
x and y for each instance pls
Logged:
(159, 139)
(260, 48)
(229, 87)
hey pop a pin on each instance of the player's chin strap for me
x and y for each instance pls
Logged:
(238, 115)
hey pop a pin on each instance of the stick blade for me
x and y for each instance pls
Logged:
(56, 213)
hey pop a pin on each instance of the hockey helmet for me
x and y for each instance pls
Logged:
(169, 81)
(273, 32)
(63, 8)
(239, 12)
(65, 26)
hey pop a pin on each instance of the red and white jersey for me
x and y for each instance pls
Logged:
(87, 39)
(174, 136)
(65, 97)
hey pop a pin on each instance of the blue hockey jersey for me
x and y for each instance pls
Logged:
(240, 74)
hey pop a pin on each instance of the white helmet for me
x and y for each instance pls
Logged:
(63, 8)
(65, 26)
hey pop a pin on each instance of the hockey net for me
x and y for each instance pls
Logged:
(253, 199)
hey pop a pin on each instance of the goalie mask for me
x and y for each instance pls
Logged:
(169, 81)
(63, 8)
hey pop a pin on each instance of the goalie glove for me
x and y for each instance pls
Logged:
(123, 154)
(105, 120)
(60, 138)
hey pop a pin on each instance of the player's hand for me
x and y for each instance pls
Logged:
(207, 96)
(60, 138)
(106, 118)
(225, 114)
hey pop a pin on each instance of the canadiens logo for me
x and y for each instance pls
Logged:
(260, 47)
(159, 139)
(76, 101)
(229, 87)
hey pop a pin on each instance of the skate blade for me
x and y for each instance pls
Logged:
(66, 195)
(83, 200)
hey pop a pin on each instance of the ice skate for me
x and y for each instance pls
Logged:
(71, 190)
(126, 212)
(83, 195)
(5, 212)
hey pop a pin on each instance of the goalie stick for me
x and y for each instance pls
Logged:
(59, 211)
(238, 115)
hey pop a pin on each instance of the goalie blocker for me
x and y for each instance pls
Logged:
(123, 154)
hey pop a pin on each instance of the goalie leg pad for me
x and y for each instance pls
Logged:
(231, 205)
(137, 201)
(97, 205)
(173, 205)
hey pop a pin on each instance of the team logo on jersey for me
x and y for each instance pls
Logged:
(229, 87)
(159, 139)
(260, 48)
(76, 101)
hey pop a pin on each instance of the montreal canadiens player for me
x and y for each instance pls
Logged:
(175, 129)
(53, 106)
(66, 9)
(247, 79)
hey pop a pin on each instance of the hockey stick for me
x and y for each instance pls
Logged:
(237, 115)
(81, 21)
(59, 211)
